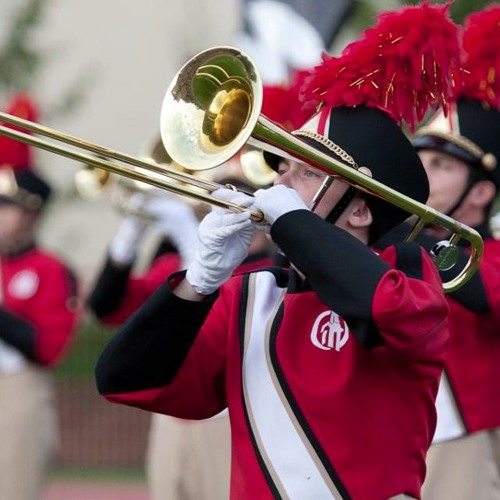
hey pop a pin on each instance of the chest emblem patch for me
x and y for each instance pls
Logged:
(24, 285)
(329, 332)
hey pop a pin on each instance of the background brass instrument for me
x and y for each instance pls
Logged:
(254, 167)
(209, 113)
(93, 182)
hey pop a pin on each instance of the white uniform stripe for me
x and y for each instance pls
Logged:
(284, 451)
(449, 421)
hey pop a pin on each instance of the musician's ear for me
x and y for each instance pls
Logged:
(359, 214)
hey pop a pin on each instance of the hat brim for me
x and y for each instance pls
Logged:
(442, 145)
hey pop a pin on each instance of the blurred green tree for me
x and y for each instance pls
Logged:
(23, 58)
(459, 10)
(20, 58)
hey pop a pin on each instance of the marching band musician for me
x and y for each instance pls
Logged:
(186, 459)
(329, 369)
(38, 318)
(461, 154)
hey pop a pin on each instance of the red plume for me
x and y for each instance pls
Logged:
(281, 103)
(481, 41)
(14, 153)
(275, 104)
(405, 64)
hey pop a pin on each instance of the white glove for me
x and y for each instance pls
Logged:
(123, 247)
(224, 240)
(176, 220)
(277, 201)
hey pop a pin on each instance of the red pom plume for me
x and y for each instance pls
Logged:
(13, 153)
(481, 65)
(281, 103)
(275, 104)
(404, 65)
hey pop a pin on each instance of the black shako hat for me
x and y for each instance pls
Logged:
(24, 188)
(392, 75)
(375, 142)
(471, 130)
(19, 183)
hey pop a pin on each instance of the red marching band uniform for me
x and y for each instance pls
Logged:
(330, 382)
(37, 288)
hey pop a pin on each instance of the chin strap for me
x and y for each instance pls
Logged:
(339, 208)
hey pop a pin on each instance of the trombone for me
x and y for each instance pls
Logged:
(209, 113)
(143, 170)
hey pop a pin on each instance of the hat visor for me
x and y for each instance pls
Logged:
(442, 145)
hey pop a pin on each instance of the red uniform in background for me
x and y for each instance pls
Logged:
(38, 290)
(461, 153)
(38, 320)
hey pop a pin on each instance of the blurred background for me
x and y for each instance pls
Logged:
(99, 70)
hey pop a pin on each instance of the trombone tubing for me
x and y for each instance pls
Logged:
(112, 167)
(100, 150)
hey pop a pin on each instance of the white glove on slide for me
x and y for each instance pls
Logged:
(224, 239)
(123, 247)
(277, 201)
(176, 220)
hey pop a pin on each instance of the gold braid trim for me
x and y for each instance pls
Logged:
(488, 160)
(458, 140)
(329, 145)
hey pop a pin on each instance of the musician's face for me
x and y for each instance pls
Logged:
(448, 178)
(306, 180)
(16, 228)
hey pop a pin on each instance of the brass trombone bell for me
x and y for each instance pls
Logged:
(93, 183)
(208, 106)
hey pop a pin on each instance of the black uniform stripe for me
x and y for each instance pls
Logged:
(132, 362)
(18, 333)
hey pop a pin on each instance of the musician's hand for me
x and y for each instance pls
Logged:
(277, 201)
(124, 245)
(176, 220)
(224, 239)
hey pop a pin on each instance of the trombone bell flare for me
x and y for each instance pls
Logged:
(208, 108)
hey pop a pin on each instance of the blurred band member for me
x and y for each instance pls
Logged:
(38, 318)
(461, 154)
